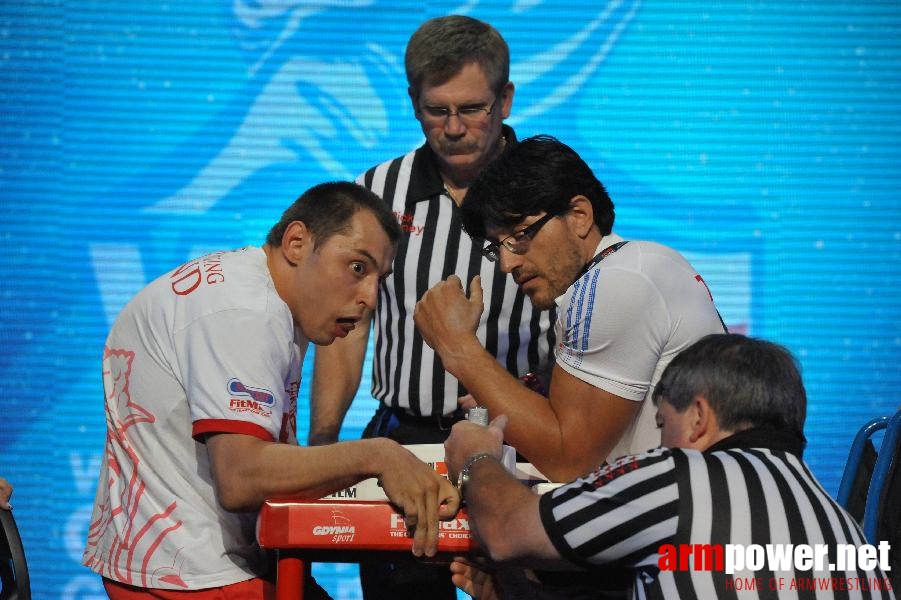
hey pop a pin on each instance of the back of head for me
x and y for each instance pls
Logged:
(327, 209)
(441, 47)
(748, 382)
(537, 175)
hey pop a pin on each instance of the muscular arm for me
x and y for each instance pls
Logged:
(336, 378)
(498, 504)
(247, 471)
(564, 435)
(6, 491)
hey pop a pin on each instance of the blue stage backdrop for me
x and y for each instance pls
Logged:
(761, 139)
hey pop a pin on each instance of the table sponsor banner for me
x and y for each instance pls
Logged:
(349, 525)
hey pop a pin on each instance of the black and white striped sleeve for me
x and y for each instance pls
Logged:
(619, 515)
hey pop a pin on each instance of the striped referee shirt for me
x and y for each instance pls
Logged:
(750, 489)
(407, 373)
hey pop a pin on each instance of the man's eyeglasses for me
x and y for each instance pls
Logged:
(473, 114)
(517, 243)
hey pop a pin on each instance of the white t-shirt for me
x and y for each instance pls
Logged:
(623, 321)
(209, 347)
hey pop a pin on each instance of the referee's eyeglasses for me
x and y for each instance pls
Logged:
(471, 114)
(518, 242)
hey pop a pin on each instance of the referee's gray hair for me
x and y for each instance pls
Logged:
(748, 382)
(442, 46)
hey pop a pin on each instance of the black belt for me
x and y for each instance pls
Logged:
(442, 422)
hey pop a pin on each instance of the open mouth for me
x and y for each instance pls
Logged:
(347, 324)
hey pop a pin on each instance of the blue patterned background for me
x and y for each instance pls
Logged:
(761, 139)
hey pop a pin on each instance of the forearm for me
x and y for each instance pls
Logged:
(534, 428)
(247, 471)
(497, 505)
(448, 320)
(6, 491)
(565, 435)
(337, 371)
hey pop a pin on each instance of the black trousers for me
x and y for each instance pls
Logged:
(407, 579)
(311, 588)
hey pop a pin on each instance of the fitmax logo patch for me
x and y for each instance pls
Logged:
(261, 395)
(258, 401)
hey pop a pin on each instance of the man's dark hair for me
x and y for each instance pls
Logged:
(537, 175)
(441, 47)
(326, 209)
(748, 382)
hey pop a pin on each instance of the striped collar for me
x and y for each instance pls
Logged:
(771, 437)
(425, 179)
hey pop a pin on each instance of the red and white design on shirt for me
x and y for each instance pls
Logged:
(288, 432)
(177, 367)
(204, 270)
(139, 539)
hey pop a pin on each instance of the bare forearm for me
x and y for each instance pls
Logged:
(328, 408)
(538, 426)
(336, 378)
(498, 504)
(248, 470)
(533, 429)
(565, 435)
(6, 491)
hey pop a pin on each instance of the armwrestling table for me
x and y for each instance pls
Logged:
(344, 531)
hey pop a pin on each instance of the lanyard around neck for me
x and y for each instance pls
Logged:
(602, 255)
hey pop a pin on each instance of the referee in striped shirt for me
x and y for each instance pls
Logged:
(729, 480)
(458, 73)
